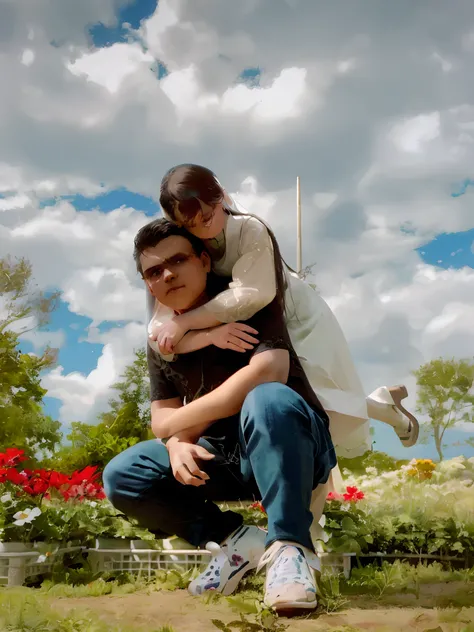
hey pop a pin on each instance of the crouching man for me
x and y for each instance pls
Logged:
(235, 426)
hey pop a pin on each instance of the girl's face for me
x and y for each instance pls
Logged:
(208, 223)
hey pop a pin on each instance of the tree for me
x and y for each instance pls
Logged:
(21, 302)
(22, 421)
(126, 423)
(129, 414)
(445, 395)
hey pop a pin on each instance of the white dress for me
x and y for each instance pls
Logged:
(314, 331)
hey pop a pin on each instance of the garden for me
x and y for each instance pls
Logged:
(397, 546)
(399, 539)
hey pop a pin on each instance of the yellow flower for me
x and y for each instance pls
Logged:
(422, 469)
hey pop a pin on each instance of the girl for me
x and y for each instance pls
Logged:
(244, 248)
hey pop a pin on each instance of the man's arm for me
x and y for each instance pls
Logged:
(162, 410)
(226, 400)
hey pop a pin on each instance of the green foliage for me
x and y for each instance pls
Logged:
(174, 580)
(24, 424)
(352, 530)
(126, 423)
(400, 576)
(23, 611)
(348, 527)
(265, 621)
(61, 521)
(330, 596)
(380, 460)
(445, 395)
(21, 300)
(95, 587)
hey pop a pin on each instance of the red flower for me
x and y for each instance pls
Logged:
(15, 477)
(88, 475)
(58, 480)
(258, 506)
(12, 456)
(353, 494)
(3, 474)
(80, 485)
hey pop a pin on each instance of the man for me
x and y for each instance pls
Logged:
(236, 426)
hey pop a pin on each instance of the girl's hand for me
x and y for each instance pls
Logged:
(169, 335)
(234, 336)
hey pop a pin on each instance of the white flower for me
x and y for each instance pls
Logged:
(371, 471)
(92, 503)
(6, 498)
(26, 516)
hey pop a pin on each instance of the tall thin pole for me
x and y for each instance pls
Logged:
(299, 263)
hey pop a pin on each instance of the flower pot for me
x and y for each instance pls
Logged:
(107, 544)
(182, 561)
(16, 547)
(138, 545)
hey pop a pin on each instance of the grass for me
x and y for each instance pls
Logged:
(27, 610)
(23, 611)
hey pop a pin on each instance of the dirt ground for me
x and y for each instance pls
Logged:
(449, 606)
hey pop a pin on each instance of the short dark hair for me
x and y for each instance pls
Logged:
(151, 234)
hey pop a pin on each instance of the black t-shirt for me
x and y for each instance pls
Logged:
(192, 375)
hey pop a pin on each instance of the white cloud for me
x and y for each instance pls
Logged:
(27, 57)
(14, 202)
(279, 101)
(378, 127)
(88, 256)
(85, 396)
(412, 134)
(109, 67)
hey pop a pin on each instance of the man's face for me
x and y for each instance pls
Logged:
(174, 274)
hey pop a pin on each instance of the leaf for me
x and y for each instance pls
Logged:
(240, 604)
(348, 526)
(220, 625)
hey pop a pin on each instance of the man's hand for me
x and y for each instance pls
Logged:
(169, 335)
(234, 336)
(183, 458)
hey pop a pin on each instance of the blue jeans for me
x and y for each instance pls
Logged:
(285, 452)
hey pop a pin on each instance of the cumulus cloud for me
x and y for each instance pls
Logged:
(370, 108)
(83, 397)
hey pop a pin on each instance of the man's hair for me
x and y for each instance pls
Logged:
(153, 233)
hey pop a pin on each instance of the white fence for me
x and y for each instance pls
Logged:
(131, 557)
(16, 567)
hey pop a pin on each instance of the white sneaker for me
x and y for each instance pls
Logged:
(290, 583)
(238, 554)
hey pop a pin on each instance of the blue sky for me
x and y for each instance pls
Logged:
(132, 13)
(417, 117)
(446, 251)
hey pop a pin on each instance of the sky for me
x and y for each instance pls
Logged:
(368, 104)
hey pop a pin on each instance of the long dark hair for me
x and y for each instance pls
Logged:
(185, 186)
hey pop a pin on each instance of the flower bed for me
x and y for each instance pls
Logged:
(422, 510)
(41, 506)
